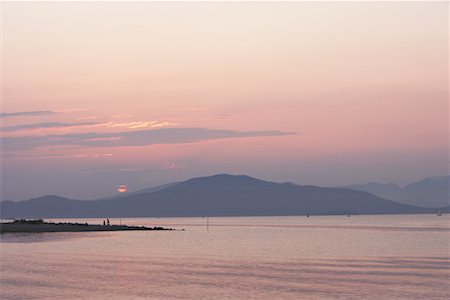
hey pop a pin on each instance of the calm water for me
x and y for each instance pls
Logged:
(358, 257)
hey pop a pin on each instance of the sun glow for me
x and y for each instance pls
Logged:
(122, 188)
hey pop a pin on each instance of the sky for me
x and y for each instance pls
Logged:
(99, 94)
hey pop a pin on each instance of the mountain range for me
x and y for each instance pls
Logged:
(218, 195)
(429, 192)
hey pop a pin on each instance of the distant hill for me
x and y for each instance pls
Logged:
(429, 192)
(219, 195)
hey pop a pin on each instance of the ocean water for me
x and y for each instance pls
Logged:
(327, 257)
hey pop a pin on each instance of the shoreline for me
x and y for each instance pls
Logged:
(70, 227)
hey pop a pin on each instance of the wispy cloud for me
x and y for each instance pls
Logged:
(140, 124)
(63, 156)
(110, 138)
(26, 113)
(122, 116)
(55, 125)
(130, 138)
(173, 166)
(46, 125)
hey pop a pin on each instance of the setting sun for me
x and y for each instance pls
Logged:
(122, 188)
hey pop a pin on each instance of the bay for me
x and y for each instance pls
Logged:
(295, 257)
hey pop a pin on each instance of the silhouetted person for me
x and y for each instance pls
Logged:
(103, 222)
(107, 222)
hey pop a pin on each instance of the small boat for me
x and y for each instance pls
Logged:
(439, 214)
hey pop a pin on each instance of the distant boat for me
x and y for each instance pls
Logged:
(349, 215)
(439, 214)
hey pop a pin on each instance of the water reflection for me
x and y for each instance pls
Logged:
(43, 237)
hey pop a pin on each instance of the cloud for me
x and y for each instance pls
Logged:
(129, 125)
(111, 138)
(26, 113)
(122, 115)
(140, 124)
(46, 125)
(222, 117)
(130, 138)
(173, 166)
(63, 156)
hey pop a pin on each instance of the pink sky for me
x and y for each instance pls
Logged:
(324, 93)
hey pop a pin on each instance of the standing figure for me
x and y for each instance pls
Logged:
(103, 222)
(107, 222)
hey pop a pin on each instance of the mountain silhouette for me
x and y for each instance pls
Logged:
(429, 192)
(218, 195)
